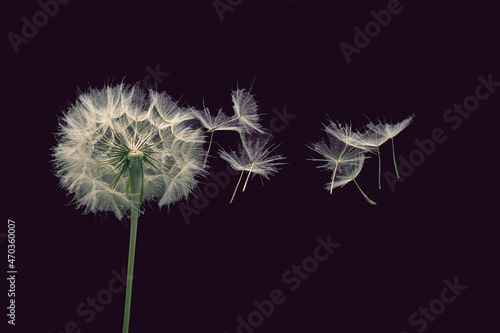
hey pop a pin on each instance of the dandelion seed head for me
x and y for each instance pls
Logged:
(108, 128)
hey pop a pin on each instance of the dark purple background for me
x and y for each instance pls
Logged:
(439, 224)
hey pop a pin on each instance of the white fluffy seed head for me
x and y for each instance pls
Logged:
(106, 128)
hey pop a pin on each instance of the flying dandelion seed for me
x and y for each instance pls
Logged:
(346, 134)
(374, 139)
(245, 111)
(349, 173)
(342, 149)
(389, 131)
(244, 121)
(343, 155)
(253, 156)
(344, 161)
(344, 152)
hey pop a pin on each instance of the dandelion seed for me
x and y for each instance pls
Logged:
(245, 112)
(341, 149)
(254, 157)
(343, 155)
(220, 122)
(244, 121)
(389, 131)
(345, 134)
(346, 171)
(374, 140)
(349, 173)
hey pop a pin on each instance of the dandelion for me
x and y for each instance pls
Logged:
(118, 147)
(254, 157)
(389, 131)
(103, 135)
(121, 146)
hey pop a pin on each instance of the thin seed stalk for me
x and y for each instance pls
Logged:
(379, 168)
(208, 150)
(366, 197)
(224, 123)
(394, 158)
(135, 184)
(246, 181)
(236, 188)
(333, 177)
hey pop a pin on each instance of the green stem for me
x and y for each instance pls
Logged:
(236, 188)
(135, 183)
(209, 146)
(394, 158)
(366, 197)
(379, 168)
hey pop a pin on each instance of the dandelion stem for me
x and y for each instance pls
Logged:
(135, 179)
(366, 197)
(208, 150)
(379, 168)
(246, 181)
(394, 158)
(236, 188)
